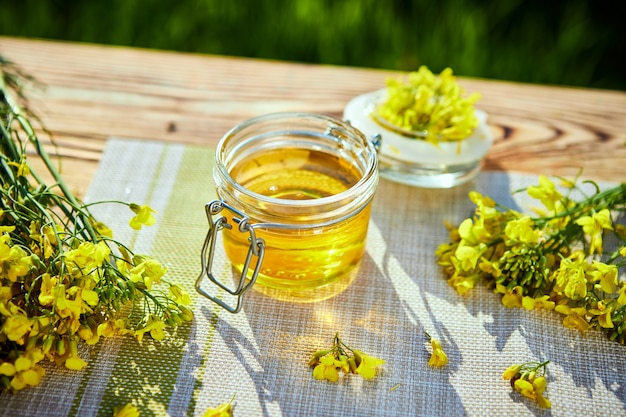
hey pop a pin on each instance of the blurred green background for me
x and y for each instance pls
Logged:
(564, 42)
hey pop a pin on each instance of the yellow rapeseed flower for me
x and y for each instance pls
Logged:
(16, 327)
(530, 303)
(179, 295)
(593, 227)
(327, 369)
(16, 324)
(468, 256)
(570, 279)
(46, 297)
(606, 275)
(511, 298)
(533, 390)
(529, 380)
(28, 378)
(24, 371)
(147, 271)
(545, 192)
(605, 321)
(463, 283)
(222, 410)
(366, 364)
(522, 230)
(577, 322)
(511, 371)
(525, 388)
(87, 257)
(438, 357)
(340, 359)
(14, 261)
(128, 410)
(23, 170)
(154, 326)
(143, 216)
(87, 334)
(75, 363)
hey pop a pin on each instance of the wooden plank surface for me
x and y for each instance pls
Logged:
(93, 92)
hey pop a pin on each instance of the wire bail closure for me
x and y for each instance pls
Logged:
(254, 256)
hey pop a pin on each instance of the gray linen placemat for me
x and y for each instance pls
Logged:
(261, 354)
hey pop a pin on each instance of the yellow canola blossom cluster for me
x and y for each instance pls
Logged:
(529, 380)
(52, 300)
(557, 260)
(432, 106)
(64, 280)
(331, 364)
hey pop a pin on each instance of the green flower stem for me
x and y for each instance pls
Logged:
(28, 129)
(613, 198)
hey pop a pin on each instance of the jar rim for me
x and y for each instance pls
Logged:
(369, 174)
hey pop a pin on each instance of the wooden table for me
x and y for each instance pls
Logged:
(93, 92)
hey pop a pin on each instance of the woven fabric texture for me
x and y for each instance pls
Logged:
(260, 355)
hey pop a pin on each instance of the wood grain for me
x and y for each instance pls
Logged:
(93, 92)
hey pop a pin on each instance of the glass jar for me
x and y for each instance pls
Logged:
(295, 191)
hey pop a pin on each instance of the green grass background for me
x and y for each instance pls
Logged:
(564, 42)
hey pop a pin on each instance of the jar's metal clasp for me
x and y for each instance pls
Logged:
(376, 138)
(377, 141)
(254, 256)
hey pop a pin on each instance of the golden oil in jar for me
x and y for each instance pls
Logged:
(296, 190)
(301, 259)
